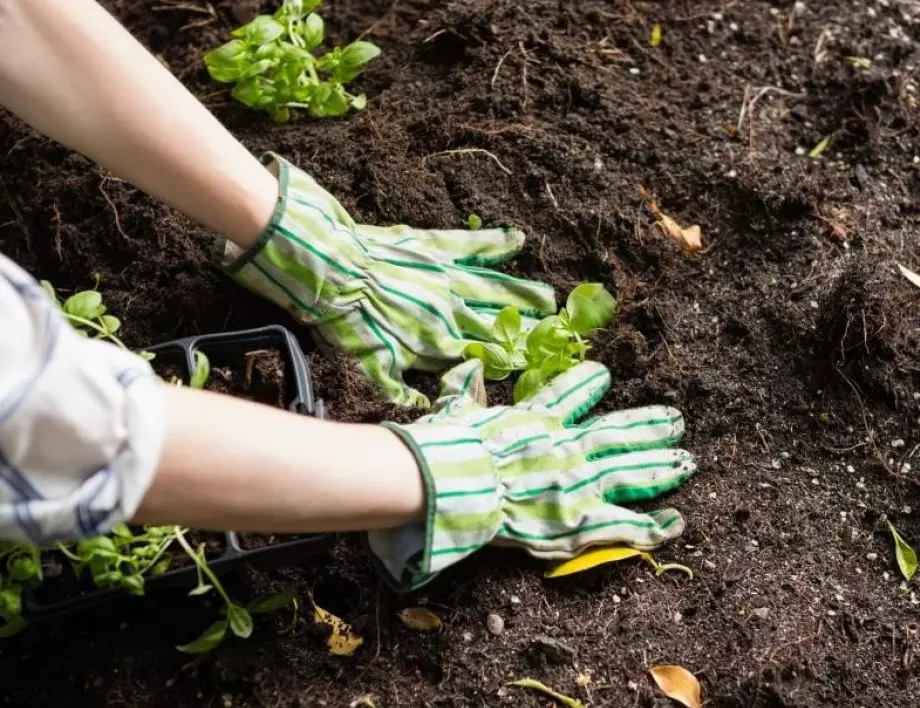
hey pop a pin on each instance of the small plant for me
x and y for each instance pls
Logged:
(125, 558)
(474, 221)
(270, 61)
(553, 346)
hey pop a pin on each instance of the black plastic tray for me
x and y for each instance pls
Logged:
(299, 395)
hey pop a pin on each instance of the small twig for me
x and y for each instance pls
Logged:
(383, 18)
(498, 67)
(552, 197)
(115, 211)
(57, 231)
(169, 7)
(468, 151)
(747, 106)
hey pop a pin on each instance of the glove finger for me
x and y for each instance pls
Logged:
(463, 386)
(480, 247)
(574, 392)
(483, 288)
(636, 476)
(602, 525)
(628, 431)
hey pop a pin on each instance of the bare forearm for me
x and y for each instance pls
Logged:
(74, 73)
(232, 464)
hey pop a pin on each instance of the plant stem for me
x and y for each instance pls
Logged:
(203, 566)
(101, 330)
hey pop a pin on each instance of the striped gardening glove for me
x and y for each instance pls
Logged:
(528, 476)
(396, 298)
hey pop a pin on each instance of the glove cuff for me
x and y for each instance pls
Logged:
(463, 506)
(306, 256)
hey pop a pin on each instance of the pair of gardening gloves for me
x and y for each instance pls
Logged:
(399, 298)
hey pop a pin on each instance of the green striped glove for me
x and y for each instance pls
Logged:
(528, 476)
(396, 298)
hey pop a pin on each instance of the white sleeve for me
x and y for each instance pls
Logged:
(81, 422)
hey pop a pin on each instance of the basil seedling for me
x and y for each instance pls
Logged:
(272, 67)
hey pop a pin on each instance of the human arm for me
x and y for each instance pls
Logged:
(72, 72)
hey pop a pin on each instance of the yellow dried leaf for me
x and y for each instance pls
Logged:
(819, 149)
(342, 640)
(655, 38)
(593, 558)
(910, 275)
(420, 619)
(678, 684)
(367, 701)
(543, 688)
(691, 238)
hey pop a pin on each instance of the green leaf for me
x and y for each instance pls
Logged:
(122, 531)
(528, 384)
(200, 589)
(272, 603)
(13, 626)
(264, 29)
(337, 103)
(590, 307)
(907, 557)
(359, 53)
(821, 147)
(474, 222)
(86, 304)
(207, 640)
(22, 568)
(496, 361)
(240, 621)
(312, 31)
(133, 583)
(147, 356)
(111, 323)
(507, 326)
(202, 370)
(87, 547)
(359, 103)
(11, 602)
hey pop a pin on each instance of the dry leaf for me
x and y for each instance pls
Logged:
(593, 558)
(691, 238)
(543, 688)
(366, 701)
(678, 684)
(910, 275)
(342, 640)
(421, 619)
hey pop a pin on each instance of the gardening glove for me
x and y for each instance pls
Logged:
(397, 298)
(528, 476)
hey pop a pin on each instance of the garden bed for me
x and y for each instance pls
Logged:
(790, 344)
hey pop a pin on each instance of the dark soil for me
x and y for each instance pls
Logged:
(791, 344)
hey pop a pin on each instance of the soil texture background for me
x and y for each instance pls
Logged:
(791, 344)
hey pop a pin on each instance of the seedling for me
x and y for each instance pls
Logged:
(125, 558)
(553, 346)
(271, 64)
(474, 221)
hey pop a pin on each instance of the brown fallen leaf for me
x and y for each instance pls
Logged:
(567, 701)
(420, 619)
(342, 640)
(678, 684)
(691, 237)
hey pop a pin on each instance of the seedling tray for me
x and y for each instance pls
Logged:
(219, 348)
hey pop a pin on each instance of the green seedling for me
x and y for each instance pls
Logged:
(237, 619)
(474, 221)
(553, 346)
(124, 558)
(272, 67)
(21, 568)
